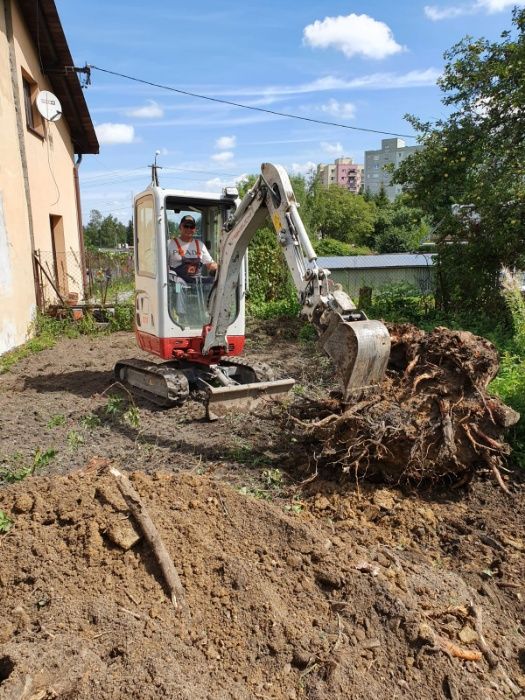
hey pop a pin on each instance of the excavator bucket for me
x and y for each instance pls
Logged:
(359, 350)
(240, 398)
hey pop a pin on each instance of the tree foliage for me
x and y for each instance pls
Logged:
(475, 159)
(398, 227)
(337, 213)
(104, 232)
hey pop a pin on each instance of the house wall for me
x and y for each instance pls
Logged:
(51, 176)
(50, 181)
(17, 291)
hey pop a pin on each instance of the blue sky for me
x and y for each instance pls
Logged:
(362, 64)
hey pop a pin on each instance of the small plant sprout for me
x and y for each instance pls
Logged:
(114, 405)
(74, 439)
(90, 421)
(56, 421)
(42, 458)
(132, 417)
(5, 523)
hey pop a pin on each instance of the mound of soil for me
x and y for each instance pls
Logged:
(347, 594)
(431, 419)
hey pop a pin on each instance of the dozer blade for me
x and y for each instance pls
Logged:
(359, 350)
(243, 397)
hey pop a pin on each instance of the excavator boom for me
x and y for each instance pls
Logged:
(359, 347)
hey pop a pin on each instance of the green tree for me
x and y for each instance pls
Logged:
(91, 231)
(337, 213)
(398, 228)
(475, 159)
(107, 232)
(129, 233)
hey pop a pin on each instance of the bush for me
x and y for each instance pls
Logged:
(274, 309)
(401, 303)
(122, 318)
(330, 246)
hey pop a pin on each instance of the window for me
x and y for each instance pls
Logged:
(33, 119)
(146, 243)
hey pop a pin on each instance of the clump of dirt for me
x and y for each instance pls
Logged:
(432, 419)
(334, 598)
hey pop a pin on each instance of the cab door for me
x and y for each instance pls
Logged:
(146, 273)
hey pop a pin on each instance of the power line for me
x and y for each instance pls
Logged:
(255, 109)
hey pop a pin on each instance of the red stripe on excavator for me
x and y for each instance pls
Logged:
(186, 348)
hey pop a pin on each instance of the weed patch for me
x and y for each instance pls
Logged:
(17, 467)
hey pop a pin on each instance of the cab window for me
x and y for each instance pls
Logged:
(146, 242)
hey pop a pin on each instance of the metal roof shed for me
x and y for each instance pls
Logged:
(376, 271)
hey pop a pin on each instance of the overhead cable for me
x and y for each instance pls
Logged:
(255, 109)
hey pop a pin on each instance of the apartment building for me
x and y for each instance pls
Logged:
(392, 152)
(41, 250)
(344, 172)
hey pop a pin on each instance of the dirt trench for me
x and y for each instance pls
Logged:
(329, 588)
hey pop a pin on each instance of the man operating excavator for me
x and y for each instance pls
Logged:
(186, 257)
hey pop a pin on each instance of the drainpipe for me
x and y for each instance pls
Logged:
(80, 227)
(20, 127)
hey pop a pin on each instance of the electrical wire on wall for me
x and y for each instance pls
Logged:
(48, 138)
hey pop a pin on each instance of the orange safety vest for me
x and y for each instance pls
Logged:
(189, 267)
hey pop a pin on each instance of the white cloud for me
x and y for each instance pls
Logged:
(352, 34)
(343, 110)
(489, 6)
(333, 149)
(303, 168)
(222, 157)
(438, 13)
(372, 81)
(218, 183)
(109, 133)
(150, 111)
(225, 142)
(493, 6)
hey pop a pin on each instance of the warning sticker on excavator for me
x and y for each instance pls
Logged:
(277, 222)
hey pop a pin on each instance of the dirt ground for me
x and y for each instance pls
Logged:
(297, 587)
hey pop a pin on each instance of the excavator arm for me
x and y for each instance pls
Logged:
(359, 347)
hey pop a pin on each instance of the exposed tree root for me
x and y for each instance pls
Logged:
(431, 419)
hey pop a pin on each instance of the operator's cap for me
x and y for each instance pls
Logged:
(187, 218)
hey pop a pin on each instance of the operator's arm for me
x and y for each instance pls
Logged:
(207, 260)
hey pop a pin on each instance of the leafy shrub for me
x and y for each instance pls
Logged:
(400, 303)
(122, 318)
(331, 246)
(274, 309)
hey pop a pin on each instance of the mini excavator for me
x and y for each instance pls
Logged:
(196, 325)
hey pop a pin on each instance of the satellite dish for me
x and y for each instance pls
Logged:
(49, 106)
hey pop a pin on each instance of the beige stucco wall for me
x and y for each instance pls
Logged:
(50, 170)
(17, 293)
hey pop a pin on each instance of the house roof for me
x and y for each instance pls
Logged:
(45, 29)
(370, 262)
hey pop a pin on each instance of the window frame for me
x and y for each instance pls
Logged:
(34, 121)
